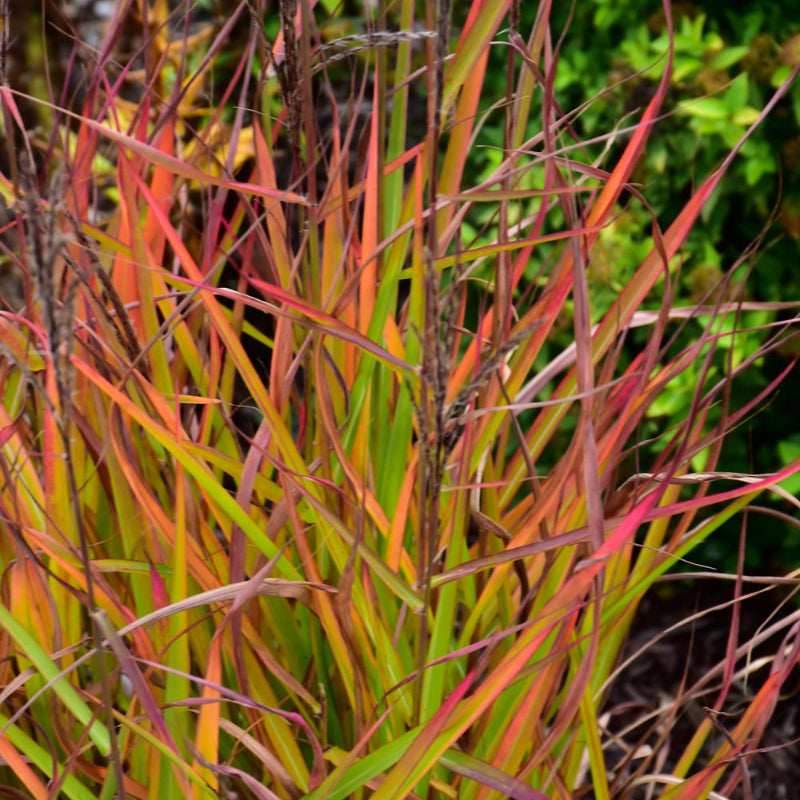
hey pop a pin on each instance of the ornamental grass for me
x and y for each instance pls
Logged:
(303, 494)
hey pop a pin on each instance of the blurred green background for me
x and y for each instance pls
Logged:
(728, 61)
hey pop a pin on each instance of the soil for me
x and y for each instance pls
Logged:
(647, 727)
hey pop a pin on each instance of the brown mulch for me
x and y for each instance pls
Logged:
(647, 728)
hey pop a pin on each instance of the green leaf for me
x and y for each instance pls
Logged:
(345, 780)
(736, 94)
(52, 674)
(788, 450)
(43, 760)
(728, 57)
(711, 108)
(755, 168)
(745, 116)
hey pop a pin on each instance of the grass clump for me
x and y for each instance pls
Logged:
(297, 499)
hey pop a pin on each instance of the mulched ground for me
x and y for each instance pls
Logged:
(647, 731)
